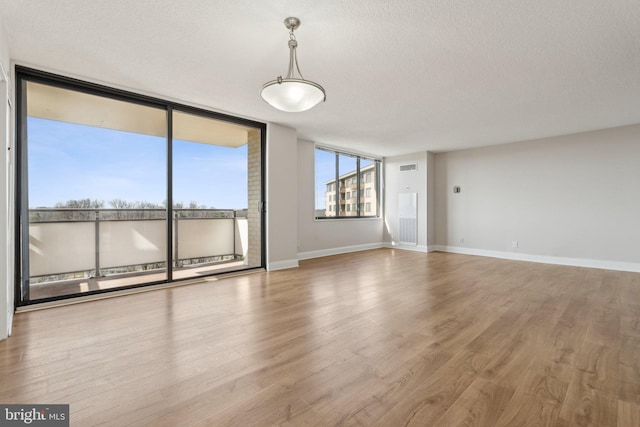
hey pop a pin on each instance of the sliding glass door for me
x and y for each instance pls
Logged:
(118, 191)
(216, 195)
(95, 190)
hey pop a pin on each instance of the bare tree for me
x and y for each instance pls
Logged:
(120, 204)
(81, 204)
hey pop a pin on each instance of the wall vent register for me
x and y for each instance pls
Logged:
(408, 168)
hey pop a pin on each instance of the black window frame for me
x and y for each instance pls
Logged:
(360, 191)
(26, 74)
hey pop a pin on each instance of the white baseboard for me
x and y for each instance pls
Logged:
(415, 248)
(282, 265)
(545, 259)
(338, 251)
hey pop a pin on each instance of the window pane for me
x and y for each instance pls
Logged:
(97, 191)
(368, 169)
(325, 169)
(347, 181)
(216, 192)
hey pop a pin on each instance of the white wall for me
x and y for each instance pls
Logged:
(571, 199)
(328, 237)
(282, 197)
(6, 194)
(397, 182)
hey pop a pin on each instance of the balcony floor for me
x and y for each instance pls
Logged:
(75, 286)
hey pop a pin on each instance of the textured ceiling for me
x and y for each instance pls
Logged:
(401, 76)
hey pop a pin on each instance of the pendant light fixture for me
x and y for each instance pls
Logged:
(292, 93)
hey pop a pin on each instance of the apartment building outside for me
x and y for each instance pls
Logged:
(345, 201)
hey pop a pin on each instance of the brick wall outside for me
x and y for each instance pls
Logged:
(254, 254)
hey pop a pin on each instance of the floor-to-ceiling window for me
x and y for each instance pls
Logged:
(216, 178)
(118, 190)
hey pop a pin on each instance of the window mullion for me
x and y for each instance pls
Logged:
(337, 182)
(358, 181)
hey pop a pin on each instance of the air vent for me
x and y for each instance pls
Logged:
(407, 168)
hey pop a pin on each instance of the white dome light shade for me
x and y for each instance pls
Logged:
(293, 95)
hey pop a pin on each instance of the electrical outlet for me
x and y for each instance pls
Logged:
(514, 244)
(461, 240)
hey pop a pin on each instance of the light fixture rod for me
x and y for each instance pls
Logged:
(293, 57)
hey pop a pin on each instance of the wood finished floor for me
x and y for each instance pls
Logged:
(375, 338)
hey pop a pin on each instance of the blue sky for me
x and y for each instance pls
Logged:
(325, 170)
(69, 161)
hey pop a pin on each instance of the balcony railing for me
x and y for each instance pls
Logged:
(98, 242)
